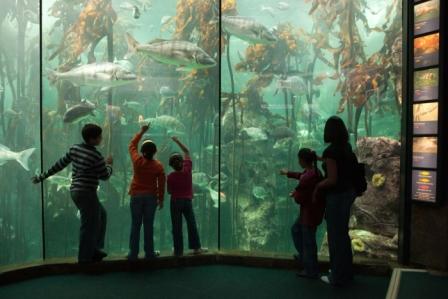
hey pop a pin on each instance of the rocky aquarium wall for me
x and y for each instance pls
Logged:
(285, 67)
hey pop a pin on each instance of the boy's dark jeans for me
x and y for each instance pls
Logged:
(143, 209)
(304, 238)
(178, 208)
(93, 224)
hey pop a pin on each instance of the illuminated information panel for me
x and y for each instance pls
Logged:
(425, 100)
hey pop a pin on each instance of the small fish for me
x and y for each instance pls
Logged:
(79, 111)
(282, 132)
(268, 9)
(283, 5)
(21, 157)
(200, 182)
(167, 92)
(187, 56)
(132, 7)
(167, 23)
(216, 196)
(247, 29)
(165, 20)
(61, 182)
(255, 134)
(136, 106)
(295, 84)
(259, 192)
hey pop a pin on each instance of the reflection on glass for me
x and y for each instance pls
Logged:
(425, 118)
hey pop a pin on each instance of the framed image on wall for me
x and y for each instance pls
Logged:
(424, 152)
(426, 85)
(426, 17)
(425, 118)
(426, 50)
(424, 185)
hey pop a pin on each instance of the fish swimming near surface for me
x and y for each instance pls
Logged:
(187, 56)
(21, 157)
(247, 29)
(79, 111)
(294, 84)
(104, 75)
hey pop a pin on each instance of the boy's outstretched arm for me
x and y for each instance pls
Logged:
(182, 146)
(133, 145)
(58, 166)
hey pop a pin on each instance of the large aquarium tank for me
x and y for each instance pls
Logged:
(244, 84)
(286, 67)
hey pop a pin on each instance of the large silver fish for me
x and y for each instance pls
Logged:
(105, 75)
(247, 29)
(79, 111)
(185, 55)
(164, 121)
(21, 157)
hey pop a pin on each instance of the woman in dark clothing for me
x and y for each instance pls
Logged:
(337, 186)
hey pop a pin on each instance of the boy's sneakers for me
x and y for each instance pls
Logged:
(326, 279)
(200, 251)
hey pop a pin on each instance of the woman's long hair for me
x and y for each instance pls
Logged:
(335, 131)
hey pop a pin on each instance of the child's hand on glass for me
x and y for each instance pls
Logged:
(283, 171)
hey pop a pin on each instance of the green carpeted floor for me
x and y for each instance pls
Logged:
(229, 282)
(422, 285)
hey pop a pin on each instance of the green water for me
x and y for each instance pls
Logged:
(256, 213)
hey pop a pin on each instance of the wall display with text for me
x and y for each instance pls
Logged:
(424, 185)
(426, 17)
(425, 118)
(424, 152)
(426, 85)
(426, 50)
